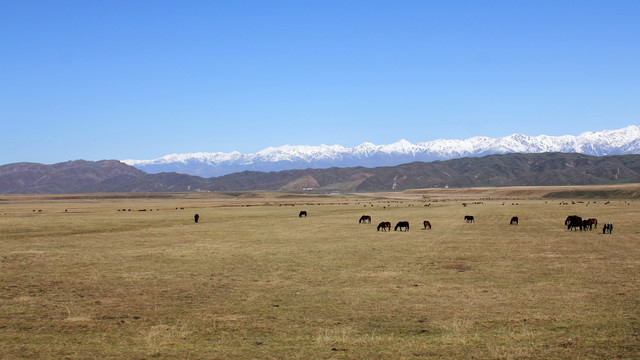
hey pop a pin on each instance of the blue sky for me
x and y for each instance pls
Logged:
(141, 79)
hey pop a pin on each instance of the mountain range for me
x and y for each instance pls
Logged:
(287, 157)
(491, 170)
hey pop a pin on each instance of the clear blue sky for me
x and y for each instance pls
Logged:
(141, 79)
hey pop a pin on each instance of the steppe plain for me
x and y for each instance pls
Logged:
(83, 277)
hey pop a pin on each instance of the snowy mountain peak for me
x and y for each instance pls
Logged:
(607, 142)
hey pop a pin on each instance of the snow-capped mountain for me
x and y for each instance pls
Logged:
(608, 142)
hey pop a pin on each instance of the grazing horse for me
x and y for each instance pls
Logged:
(196, 217)
(607, 227)
(469, 218)
(384, 226)
(364, 219)
(588, 223)
(514, 221)
(402, 225)
(571, 218)
(594, 221)
(573, 222)
(302, 213)
(427, 225)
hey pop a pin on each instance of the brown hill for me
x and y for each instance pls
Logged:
(493, 170)
(67, 177)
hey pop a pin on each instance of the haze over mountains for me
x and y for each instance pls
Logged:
(608, 142)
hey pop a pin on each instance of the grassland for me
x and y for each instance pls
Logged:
(80, 278)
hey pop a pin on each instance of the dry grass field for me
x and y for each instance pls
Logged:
(81, 279)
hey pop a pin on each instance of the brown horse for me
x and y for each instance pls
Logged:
(385, 225)
(365, 219)
(594, 221)
(402, 225)
(427, 225)
(573, 222)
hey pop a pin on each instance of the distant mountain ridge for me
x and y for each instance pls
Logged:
(287, 157)
(491, 170)
(66, 177)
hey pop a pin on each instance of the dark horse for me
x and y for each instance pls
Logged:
(427, 225)
(402, 225)
(384, 226)
(196, 217)
(587, 224)
(365, 219)
(607, 227)
(573, 222)
(514, 221)
(302, 213)
(469, 218)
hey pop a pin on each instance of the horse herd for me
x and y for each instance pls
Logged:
(404, 225)
(575, 223)
(386, 226)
